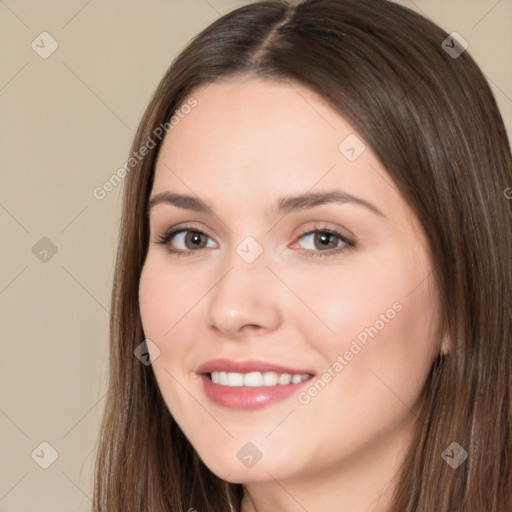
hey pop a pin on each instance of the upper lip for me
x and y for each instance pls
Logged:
(246, 366)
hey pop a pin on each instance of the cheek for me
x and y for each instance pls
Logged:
(154, 304)
(380, 317)
(165, 297)
(165, 306)
(377, 363)
(171, 312)
(354, 300)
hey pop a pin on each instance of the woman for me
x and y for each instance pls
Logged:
(373, 378)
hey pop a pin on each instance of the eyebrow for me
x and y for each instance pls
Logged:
(285, 204)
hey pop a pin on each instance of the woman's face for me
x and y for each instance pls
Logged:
(337, 290)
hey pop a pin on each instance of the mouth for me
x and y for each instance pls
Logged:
(250, 385)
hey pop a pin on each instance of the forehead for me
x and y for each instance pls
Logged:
(267, 117)
(253, 122)
(249, 141)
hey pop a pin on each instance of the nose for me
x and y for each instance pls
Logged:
(244, 301)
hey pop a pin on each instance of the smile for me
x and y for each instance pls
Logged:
(255, 379)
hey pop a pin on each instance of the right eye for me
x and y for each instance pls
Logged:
(191, 239)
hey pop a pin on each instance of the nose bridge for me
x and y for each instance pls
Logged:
(243, 296)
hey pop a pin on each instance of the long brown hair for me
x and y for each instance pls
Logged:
(433, 122)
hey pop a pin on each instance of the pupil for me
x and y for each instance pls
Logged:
(324, 238)
(195, 238)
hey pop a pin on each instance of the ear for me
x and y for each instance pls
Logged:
(446, 345)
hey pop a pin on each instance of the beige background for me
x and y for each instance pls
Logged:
(66, 127)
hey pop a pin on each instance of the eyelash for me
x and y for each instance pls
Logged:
(165, 239)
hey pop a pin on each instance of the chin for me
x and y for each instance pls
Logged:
(233, 470)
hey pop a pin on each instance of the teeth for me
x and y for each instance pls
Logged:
(285, 378)
(234, 379)
(269, 378)
(296, 379)
(254, 379)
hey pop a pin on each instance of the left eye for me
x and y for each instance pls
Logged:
(328, 240)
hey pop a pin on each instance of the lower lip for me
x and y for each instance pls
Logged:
(247, 398)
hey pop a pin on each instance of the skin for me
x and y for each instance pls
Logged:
(247, 143)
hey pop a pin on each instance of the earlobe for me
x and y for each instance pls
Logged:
(446, 347)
